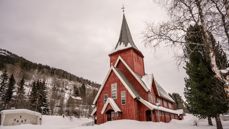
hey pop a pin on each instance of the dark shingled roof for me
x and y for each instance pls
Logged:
(125, 37)
(127, 82)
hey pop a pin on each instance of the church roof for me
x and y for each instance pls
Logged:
(162, 93)
(124, 81)
(113, 105)
(125, 39)
(145, 81)
(132, 90)
(148, 79)
(161, 108)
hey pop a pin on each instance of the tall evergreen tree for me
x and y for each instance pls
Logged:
(9, 92)
(38, 97)
(83, 93)
(33, 97)
(221, 57)
(21, 99)
(204, 93)
(178, 100)
(42, 102)
(3, 86)
(54, 98)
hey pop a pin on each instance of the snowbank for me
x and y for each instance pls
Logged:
(53, 122)
(58, 122)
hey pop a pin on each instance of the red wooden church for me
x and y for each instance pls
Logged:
(128, 92)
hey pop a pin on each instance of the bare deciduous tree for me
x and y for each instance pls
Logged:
(184, 13)
(211, 15)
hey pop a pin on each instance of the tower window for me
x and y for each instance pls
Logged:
(123, 97)
(114, 90)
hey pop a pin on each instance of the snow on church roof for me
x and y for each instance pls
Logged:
(125, 39)
(121, 46)
(154, 107)
(124, 81)
(162, 92)
(132, 72)
(113, 105)
(130, 87)
(148, 80)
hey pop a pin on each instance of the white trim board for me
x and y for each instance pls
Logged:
(120, 78)
(113, 105)
(132, 72)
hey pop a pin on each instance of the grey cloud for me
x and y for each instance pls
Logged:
(78, 35)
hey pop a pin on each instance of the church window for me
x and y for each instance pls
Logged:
(123, 97)
(114, 90)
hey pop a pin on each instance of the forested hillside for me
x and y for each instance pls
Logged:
(24, 84)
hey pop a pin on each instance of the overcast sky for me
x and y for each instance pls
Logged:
(78, 35)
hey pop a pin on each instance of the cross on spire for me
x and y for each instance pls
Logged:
(123, 9)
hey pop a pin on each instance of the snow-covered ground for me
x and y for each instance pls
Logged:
(57, 122)
(53, 122)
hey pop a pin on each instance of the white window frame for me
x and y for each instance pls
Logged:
(123, 97)
(114, 90)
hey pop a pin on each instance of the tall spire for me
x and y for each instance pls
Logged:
(125, 38)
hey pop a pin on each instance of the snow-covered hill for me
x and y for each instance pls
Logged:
(20, 66)
(58, 122)
(66, 84)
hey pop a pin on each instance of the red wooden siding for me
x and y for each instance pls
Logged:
(132, 58)
(128, 112)
(133, 109)
(137, 86)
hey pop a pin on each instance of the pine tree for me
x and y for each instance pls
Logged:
(38, 97)
(220, 95)
(33, 97)
(9, 92)
(221, 57)
(178, 100)
(54, 98)
(21, 99)
(204, 93)
(3, 86)
(83, 93)
(42, 105)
